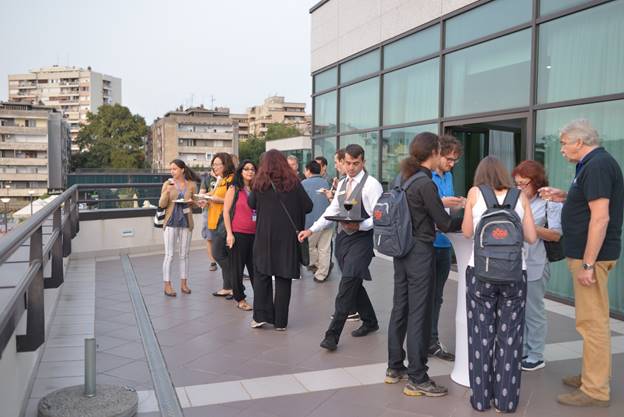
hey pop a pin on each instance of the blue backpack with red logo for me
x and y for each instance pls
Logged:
(499, 239)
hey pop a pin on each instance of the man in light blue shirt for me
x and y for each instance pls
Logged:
(450, 151)
(319, 242)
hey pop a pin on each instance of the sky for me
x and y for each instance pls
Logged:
(167, 53)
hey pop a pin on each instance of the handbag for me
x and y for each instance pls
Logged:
(302, 247)
(159, 218)
(554, 250)
(220, 251)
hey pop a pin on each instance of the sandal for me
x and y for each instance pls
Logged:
(169, 292)
(220, 293)
(243, 305)
(184, 288)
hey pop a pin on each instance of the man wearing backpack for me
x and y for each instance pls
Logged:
(591, 220)
(354, 245)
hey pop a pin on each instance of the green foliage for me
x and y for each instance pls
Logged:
(114, 138)
(251, 149)
(281, 131)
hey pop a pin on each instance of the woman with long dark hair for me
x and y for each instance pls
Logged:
(495, 310)
(414, 274)
(240, 223)
(177, 197)
(223, 169)
(276, 188)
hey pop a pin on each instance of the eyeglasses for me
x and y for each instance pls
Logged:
(522, 184)
(453, 160)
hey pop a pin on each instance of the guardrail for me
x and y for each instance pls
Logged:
(27, 293)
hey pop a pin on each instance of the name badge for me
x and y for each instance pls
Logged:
(186, 210)
(341, 192)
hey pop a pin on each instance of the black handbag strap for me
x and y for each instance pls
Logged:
(285, 209)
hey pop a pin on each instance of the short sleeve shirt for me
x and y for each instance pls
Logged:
(598, 176)
(445, 189)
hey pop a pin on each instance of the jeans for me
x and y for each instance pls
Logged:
(536, 327)
(442, 269)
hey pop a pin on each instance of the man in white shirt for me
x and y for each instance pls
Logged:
(354, 244)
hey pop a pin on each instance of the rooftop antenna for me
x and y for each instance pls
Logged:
(192, 98)
(212, 101)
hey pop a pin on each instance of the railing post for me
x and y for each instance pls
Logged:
(35, 316)
(56, 279)
(74, 211)
(67, 227)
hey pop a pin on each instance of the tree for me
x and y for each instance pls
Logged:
(113, 138)
(251, 149)
(281, 131)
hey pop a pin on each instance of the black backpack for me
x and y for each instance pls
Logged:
(499, 239)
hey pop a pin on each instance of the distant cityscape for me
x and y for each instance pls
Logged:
(46, 108)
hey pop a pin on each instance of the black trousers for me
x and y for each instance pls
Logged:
(442, 269)
(265, 307)
(352, 296)
(495, 332)
(412, 306)
(241, 255)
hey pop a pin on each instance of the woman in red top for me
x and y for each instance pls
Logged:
(240, 223)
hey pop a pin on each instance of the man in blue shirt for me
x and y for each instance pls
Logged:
(450, 151)
(320, 243)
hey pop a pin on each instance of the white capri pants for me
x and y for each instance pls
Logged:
(179, 237)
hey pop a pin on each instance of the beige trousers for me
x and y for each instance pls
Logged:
(592, 323)
(320, 252)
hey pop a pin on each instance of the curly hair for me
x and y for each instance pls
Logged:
(275, 169)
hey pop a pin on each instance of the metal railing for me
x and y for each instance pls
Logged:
(27, 294)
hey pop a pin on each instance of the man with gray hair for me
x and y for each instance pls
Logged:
(293, 162)
(591, 220)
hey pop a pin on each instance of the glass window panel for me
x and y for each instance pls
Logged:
(395, 148)
(607, 119)
(412, 47)
(360, 66)
(326, 79)
(490, 76)
(411, 94)
(551, 6)
(368, 141)
(325, 114)
(487, 19)
(326, 147)
(359, 105)
(578, 54)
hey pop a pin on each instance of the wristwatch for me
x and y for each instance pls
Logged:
(588, 267)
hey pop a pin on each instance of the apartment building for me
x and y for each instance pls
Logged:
(74, 91)
(276, 109)
(34, 151)
(243, 125)
(193, 135)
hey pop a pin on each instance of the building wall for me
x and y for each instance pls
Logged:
(489, 63)
(276, 109)
(340, 28)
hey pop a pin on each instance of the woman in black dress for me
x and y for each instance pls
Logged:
(276, 246)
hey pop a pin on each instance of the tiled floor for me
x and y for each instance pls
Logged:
(222, 367)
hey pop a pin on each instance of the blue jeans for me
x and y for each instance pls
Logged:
(536, 324)
(442, 269)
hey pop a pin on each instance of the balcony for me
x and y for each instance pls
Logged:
(25, 146)
(24, 130)
(217, 364)
(24, 161)
(23, 177)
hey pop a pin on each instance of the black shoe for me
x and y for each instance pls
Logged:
(353, 317)
(532, 366)
(312, 268)
(331, 266)
(229, 297)
(393, 376)
(440, 352)
(329, 343)
(363, 330)
(427, 388)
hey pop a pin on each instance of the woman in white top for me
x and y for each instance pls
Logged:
(495, 311)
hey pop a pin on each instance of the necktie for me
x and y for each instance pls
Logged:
(349, 188)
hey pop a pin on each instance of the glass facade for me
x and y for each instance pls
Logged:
(325, 80)
(485, 91)
(412, 47)
(360, 66)
(411, 94)
(326, 147)
(490, 76)
(490, 18)
(607, 118)
(325, 114)
(359, 105)
(576, 54)
(395, 148)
